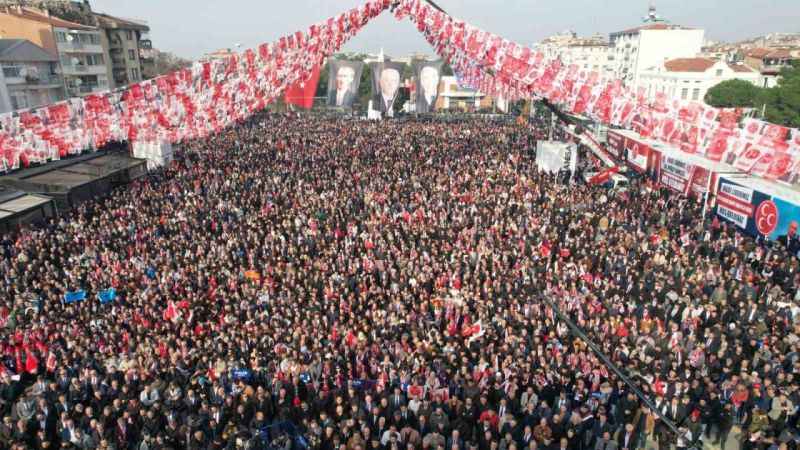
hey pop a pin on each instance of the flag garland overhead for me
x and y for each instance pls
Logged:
(211, 95)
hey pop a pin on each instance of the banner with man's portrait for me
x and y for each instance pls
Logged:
(343, 80)
(428, 74)
(386, 78)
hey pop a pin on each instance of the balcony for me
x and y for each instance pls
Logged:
(84, 89)
(773, 69)
(83, 69)
(79, 47)
(45, 81)
(118, 62)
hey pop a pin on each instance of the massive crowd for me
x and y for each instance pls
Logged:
(300, 283)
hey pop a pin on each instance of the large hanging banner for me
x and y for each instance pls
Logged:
(301, 93)
(343, 81)
(759, 213)
(428, 74)
(385, 85)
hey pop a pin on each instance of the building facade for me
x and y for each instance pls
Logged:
(590, 53)
(691, 78)
(78, 48)
(638, 49)
(29, 76)
(127, 43)
(769, 62)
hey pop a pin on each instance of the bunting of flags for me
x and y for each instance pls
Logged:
(211, 95)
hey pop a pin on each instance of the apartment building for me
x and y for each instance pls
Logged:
(78, 48)
(640, 48)
(29, 76)
(691, 78)
(128, 48)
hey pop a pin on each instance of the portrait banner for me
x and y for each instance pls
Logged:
(386, 77)
(428, 75)
(343, 81)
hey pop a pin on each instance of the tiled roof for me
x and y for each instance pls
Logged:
(740, 68)
(24, 51)
(117, 22)
(762, 53)
(689, 64)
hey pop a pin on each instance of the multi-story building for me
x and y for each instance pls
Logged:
(691, 78)
(724, 52)
(769, 62)
(77, 47)
(590, 53)
(29, 76)
(638, 49)
(125, 40)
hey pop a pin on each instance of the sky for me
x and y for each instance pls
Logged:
(191, 28)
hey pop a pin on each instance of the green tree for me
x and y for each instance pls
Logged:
(734, 94)
(782, 103)
(322, 87)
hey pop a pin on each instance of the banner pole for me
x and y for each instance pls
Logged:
(705, 197)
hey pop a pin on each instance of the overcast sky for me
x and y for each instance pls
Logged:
(191, 28)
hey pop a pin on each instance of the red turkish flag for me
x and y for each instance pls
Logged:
(302, 93)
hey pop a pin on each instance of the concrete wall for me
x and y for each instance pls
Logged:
(657, 46)
(39, 33)
(674, 83)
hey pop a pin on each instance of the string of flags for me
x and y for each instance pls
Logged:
(211, 95)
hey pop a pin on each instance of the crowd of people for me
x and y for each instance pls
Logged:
(300, 283)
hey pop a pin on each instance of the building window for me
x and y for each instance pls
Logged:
(684, 93)
(94, 59)
(129, 35)
(94, 39)
(132, 55)
(12, 71)
(61, 36)
(134, 74)
(18, 100)
(696, 94)
(719, 72)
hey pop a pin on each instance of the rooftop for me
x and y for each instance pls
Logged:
(23, 50)
(772, 53)
(652, 26)
(41, 17)
(109, 21)
(689, 64)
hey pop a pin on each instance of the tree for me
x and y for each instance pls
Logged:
(734, 94)
(322, 86)
(782, 103)
(166, 62)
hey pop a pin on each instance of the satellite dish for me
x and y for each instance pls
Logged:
(70, 38)
(78, 82)
(23, 72)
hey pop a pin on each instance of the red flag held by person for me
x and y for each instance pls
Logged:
(31, 363)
